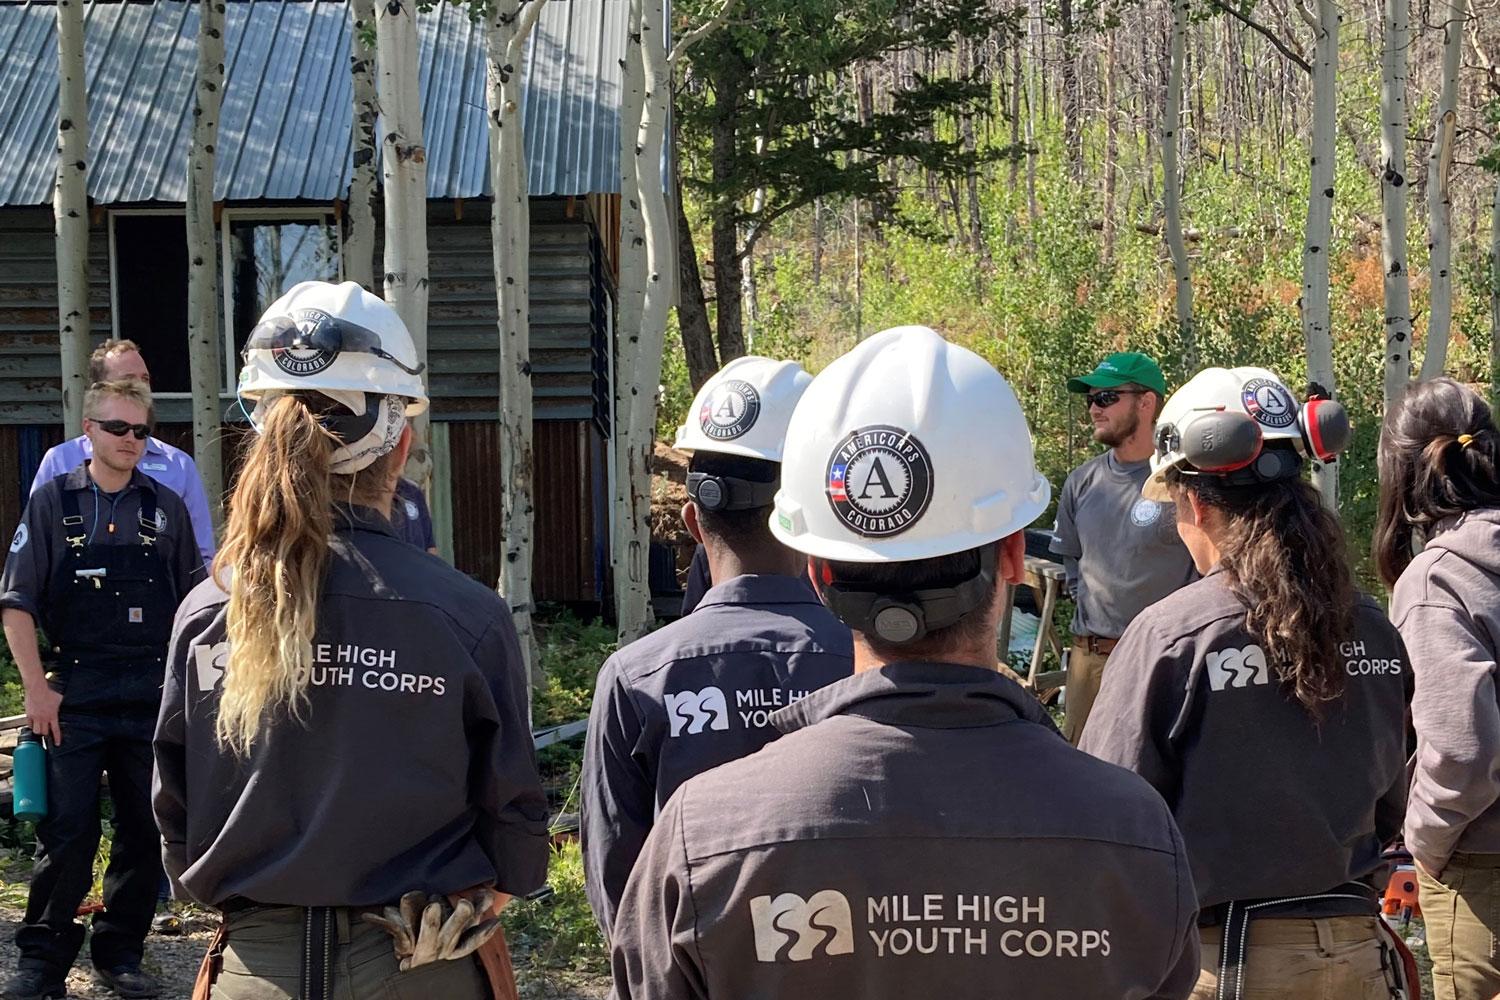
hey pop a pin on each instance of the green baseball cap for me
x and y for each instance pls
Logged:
(1123, 368)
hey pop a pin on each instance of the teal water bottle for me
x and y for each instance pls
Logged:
(29, 786)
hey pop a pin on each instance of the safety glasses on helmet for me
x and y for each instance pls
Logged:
(326, 333)
(119, 428)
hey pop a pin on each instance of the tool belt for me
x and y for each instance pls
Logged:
(318, 940)
(1098, 645)
(1235, 917)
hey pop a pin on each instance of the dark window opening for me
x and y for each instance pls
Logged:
(269, 256)
(151, 268)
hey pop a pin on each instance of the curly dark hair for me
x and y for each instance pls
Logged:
(1286, 559)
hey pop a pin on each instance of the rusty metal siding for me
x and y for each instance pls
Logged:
(29, 364)
(565, 540)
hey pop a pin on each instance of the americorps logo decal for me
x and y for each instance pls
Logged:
(303, 361)
(1145, 513)
(730, 410)
(22, 536)
(1269, 402)
(879, 481)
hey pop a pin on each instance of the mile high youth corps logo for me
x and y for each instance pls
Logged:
(879, 481)
(691, 711)
(1269, 402)
(1237, 668)
(822, 921)
(730, 410)
(303, 361)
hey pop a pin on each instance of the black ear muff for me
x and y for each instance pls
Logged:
(1275, 464)
(1324, 424)
(709, 492)
(1221, 441)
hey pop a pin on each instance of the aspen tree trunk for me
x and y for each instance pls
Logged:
(1393, 187)
(403, 171)
(1495, 298)
(1439, 194)
(1316, 320)
(1111, 142)
(70, 210)
(203, 271)
(633, 444)
(1172, 187)
(359, 222)
(509, 22)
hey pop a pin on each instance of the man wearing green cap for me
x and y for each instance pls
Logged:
(1121, 552)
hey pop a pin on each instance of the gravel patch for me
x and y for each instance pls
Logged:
(174, 960)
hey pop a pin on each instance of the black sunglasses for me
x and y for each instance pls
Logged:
(321, 332)
(119, 428)
(1105, 398)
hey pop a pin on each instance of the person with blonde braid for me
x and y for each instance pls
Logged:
(343, 736)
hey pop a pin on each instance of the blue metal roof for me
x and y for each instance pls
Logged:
(284, 131)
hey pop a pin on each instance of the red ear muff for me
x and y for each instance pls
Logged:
(1221, 441)
(1324, 424)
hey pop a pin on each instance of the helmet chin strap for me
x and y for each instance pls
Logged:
(908, 616)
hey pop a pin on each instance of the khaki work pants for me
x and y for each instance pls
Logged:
(1329, 958)
(1085, 674)
(1461, 914)
(263, 961)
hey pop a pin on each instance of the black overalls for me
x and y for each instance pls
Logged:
(109, 618)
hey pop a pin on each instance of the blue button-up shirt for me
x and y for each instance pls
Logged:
(172, 467)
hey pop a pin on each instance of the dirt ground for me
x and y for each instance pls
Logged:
(175, 960)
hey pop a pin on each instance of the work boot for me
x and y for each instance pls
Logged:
(128, 981)
(34, 984)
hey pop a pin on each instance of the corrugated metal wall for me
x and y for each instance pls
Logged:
(569, 494)
(29, 365)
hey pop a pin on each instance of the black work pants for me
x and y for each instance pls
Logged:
(68, 839)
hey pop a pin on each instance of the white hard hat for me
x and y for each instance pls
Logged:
(908, 447)
(1245, 426)
(332, 339)
(744, 409)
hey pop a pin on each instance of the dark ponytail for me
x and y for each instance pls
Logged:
(1439, 457)
(1285, 557)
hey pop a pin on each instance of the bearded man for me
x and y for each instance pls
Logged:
(1121, 552)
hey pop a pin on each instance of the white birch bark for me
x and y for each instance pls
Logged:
(403, 171)
(1393, 188)
(1316, 318)
(631, 543)
(1439, 195)
(203, 271)
(359, 225)
(1172, 187)
(509, 22)
(70, 210)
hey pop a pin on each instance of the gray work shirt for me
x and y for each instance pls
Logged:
(1121, 551)
(411, 767)
(1271, 802)
(922, 831)
(40, 540)
(689, 697)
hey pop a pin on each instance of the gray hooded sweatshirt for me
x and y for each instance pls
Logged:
(1447, 606)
